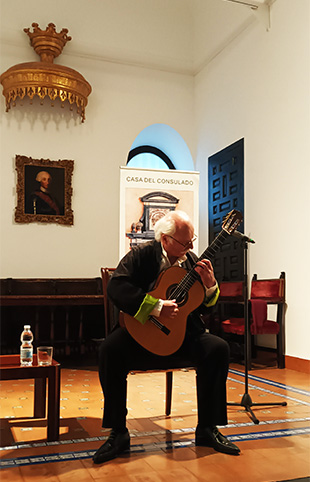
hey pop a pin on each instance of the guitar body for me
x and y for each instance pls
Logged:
(164, 336)
(149, 335)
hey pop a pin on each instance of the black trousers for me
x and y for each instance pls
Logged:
(119, 354)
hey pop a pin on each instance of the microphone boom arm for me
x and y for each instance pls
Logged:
(242, 236)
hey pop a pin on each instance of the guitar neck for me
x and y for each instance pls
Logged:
(214, 246)
(189, 279)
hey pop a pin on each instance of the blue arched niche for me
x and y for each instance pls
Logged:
(158, 144)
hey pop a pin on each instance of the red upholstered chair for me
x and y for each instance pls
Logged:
(264, 292)
(109, 314)
(231, 291)
(230, 300)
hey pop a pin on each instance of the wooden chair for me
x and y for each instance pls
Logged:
(230, 306)
(109, 314)
(264, 292)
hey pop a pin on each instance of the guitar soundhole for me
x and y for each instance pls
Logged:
(181, 298)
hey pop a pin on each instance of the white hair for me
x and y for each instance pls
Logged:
(41, 174)
(167, 224)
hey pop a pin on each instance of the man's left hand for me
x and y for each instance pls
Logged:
(205, 270)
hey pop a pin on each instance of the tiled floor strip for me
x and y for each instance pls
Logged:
(152, 447)
(271, 382)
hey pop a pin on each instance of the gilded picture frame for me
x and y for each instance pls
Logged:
(44, 190)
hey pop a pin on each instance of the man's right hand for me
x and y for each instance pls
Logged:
(170, 309)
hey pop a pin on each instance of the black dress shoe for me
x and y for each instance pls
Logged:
(211, 437)
(116, 444)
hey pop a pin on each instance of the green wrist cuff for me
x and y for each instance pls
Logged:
(145, 309)
(211, 301)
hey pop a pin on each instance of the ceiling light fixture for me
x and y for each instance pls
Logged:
(45, 78)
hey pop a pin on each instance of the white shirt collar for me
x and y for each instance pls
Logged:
(165, 263)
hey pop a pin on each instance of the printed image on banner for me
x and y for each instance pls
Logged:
(148, 194)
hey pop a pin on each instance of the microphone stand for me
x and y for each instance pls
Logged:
(246, 400)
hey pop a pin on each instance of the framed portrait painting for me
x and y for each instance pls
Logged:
(44, 190)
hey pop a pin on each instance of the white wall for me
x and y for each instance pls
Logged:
(125, 99)
(258, 89)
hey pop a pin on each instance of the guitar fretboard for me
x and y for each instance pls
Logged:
(189, 279)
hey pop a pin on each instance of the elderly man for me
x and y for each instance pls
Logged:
(129, 290)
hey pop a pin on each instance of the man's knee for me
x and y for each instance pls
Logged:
(218, 348)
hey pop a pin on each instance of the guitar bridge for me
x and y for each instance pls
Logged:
(159, 325)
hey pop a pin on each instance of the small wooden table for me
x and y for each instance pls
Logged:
(10, 369)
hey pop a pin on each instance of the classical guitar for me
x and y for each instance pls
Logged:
(164, 336)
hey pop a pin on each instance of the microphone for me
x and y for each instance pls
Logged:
(242, 236)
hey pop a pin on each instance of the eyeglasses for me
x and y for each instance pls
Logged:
(186, 245)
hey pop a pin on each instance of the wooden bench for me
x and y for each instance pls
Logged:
(64, 312)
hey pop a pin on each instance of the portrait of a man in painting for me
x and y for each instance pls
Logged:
(44, 191)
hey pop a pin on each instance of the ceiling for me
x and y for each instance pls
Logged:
(180, 36)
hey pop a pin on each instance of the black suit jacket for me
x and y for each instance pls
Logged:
(136, 275)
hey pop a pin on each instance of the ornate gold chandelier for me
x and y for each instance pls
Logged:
(45, 78)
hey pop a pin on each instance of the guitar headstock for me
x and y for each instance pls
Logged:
(231, 221)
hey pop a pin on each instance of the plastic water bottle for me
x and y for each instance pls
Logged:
(26, 349)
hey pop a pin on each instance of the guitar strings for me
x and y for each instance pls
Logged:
(189, 279)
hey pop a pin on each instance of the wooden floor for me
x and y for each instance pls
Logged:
(162, 448)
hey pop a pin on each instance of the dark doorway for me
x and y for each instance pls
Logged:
(226, 192)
